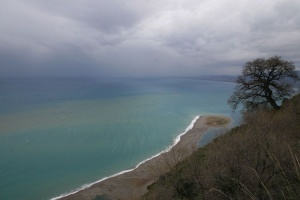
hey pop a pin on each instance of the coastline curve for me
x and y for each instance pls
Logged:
(175, 142)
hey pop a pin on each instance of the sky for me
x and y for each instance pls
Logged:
(144, 38)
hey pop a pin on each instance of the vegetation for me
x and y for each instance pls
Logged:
(257, 160)
(264, 83)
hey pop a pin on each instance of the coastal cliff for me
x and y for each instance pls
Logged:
(257, 160)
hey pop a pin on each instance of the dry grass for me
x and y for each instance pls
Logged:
(258, 160)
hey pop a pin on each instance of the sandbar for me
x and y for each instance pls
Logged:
(133, 184)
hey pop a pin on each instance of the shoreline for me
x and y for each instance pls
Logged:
(133, 182)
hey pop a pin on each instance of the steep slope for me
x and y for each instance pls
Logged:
(257, 160)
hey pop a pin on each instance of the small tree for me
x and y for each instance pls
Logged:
(264, 82)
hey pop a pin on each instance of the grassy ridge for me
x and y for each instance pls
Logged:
(257, 160)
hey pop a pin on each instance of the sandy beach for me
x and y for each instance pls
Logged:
(133, 183)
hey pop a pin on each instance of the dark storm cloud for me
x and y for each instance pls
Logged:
(144, 38)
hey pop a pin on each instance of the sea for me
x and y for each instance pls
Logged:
(59, 134)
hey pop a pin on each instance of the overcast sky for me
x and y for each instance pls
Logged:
(144, 38)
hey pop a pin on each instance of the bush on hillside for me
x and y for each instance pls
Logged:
(257, 160)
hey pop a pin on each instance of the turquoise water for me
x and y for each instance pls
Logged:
(59, 134)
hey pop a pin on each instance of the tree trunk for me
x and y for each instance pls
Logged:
(270, 99)
(273, 104)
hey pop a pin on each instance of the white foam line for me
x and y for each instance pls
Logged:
(86, 186)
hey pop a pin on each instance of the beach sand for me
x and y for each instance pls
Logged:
(133, 184)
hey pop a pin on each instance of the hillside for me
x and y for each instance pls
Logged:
(257, 160)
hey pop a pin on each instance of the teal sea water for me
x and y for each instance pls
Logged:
(58, 134)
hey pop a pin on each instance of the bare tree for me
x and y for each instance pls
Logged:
(264, 83)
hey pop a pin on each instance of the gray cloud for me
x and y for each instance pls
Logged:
(142, 38)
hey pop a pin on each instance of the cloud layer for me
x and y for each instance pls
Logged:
(144, 38)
